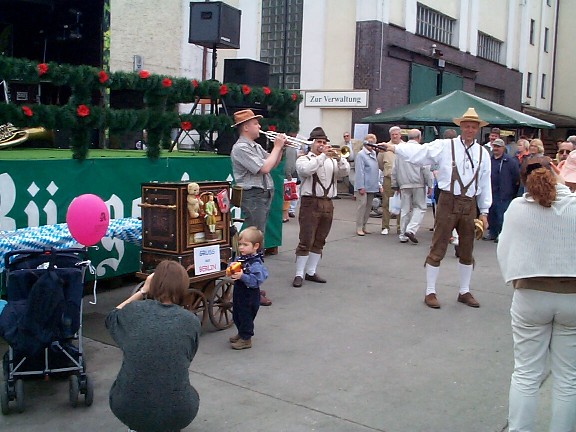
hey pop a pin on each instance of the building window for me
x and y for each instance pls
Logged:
(532, 31)
(489, 47)
(543, 89)
(546, 33)
(434, 25)
(529, 85)
(281, 44)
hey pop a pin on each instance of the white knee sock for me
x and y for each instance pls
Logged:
(313, 260)
(465, 273)
(300, 265)
(431, 276)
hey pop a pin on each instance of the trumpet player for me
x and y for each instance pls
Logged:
(318, 171)
(251, 166)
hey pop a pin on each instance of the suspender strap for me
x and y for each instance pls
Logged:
(456, 175)
(316, 180)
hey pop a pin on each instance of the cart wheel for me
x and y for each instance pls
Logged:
(220, 304)
(19, 389)
(74, 390)
(4, 399)
(198, 304)
(88, 391)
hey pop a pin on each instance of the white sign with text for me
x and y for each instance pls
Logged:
(206, 259)
(336, 99)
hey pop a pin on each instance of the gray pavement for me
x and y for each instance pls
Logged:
(360, 353)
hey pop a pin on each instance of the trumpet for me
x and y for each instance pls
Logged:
(290, 141)
(335, 152)
(376, 146)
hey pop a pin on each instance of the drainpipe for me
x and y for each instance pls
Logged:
(554, 57)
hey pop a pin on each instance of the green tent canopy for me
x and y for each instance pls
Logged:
(441, 110)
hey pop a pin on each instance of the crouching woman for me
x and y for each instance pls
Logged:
(158, 338)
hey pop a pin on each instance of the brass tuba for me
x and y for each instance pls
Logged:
(11, 136)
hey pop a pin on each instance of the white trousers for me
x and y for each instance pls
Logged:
(412, 200)
(543, 324)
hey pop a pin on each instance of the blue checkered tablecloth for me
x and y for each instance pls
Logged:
(58, 236)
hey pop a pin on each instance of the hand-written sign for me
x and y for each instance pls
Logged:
(206, 259)
(336, 99)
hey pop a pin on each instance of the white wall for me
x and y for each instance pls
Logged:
(153, 32)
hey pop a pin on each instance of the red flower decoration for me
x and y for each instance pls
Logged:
(223, 90)
(266, 91)
(82, 111)
(143, 74)
(185, 125)
(272, 128)
(166, 82)
(245, 90)
(27, 111)
(102, 77)
(294, 97)
(194, 83)
(42, 69)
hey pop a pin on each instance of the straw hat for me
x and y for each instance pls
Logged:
(471, 116)
(243, 116)
(568, 170)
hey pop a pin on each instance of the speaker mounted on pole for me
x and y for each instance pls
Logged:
(214, 25)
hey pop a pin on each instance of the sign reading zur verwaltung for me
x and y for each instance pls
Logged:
(336, 99)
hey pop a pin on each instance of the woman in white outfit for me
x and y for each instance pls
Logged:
(540, 264)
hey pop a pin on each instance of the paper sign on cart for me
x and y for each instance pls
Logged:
(206, 259)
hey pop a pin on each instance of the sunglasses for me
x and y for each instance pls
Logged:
(564, 151)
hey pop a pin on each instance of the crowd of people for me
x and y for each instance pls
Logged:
(497, 189)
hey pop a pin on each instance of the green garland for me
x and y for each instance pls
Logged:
(161, 93)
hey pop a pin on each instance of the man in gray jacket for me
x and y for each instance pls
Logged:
(414, 182)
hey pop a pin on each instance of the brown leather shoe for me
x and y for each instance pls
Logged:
(297, 283)
(411, 236)
(431, 301)
(468, 299)
(314, 278)
(264, 301)
(235, 338)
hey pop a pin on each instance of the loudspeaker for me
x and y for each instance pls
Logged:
(214, 25)
(247, 71)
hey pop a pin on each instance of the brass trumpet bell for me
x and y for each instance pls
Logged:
(11, 136)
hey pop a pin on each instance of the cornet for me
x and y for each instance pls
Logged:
(290, 141)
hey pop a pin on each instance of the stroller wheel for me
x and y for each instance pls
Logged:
(19, 388)
(74, 390)
(88, 391)
(4, 399)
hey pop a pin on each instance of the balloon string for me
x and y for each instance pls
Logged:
(92, 271)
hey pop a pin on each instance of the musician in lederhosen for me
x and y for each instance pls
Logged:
(464, 180)
(318, 171)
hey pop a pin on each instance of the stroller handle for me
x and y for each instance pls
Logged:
(36, 252)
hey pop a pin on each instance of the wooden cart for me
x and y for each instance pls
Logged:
(171, 230)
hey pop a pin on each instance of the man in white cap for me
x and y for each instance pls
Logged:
(251, 166)
(464, 180)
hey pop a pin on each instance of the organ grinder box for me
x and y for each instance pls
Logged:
(180, 216)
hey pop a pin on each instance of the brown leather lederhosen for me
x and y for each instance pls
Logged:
(315, 218)
(455, 211)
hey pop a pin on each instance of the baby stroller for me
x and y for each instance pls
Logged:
(42, 322)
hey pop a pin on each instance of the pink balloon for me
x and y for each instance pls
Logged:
(87, 219)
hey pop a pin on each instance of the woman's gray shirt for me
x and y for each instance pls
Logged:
(152, 391)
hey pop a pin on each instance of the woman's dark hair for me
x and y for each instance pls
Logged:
(539, 180)
(170, 283)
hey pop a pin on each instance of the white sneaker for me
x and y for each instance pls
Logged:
(384, 231)
(403, 238)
